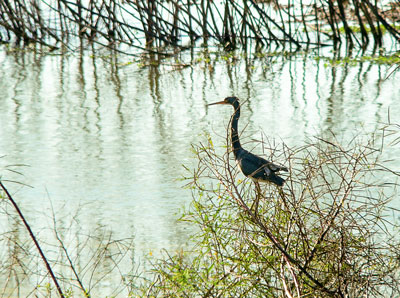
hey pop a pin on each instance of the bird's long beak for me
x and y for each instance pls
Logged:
(217, 103)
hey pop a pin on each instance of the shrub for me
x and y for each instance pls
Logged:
(329, 232)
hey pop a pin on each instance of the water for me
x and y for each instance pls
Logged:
(106, 139)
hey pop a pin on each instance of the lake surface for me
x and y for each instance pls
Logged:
(104, 139)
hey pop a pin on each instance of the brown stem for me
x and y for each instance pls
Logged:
(53, 277)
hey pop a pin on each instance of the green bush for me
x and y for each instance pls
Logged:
(328, 232)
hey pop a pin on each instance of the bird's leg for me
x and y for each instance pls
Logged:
(281, 193)
(257, 200)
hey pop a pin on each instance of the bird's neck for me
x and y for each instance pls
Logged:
(235, 131)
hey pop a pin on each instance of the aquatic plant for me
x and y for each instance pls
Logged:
(167, 26)
(63, 260)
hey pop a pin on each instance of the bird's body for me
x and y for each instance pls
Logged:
(251, 165)
(259, 169)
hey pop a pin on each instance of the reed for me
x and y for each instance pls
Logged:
(167, 26)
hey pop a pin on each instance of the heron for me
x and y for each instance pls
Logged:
(256, 168)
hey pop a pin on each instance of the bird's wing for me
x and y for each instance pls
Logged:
(275, 168)
(252, 164)
(269, 166)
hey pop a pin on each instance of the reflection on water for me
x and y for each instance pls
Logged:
(109, 137)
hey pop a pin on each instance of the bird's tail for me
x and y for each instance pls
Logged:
(277, 180)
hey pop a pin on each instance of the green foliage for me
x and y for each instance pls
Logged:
(352, 61)
(324, 234)
(357, 29)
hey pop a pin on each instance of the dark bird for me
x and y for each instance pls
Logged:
(252, 166)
